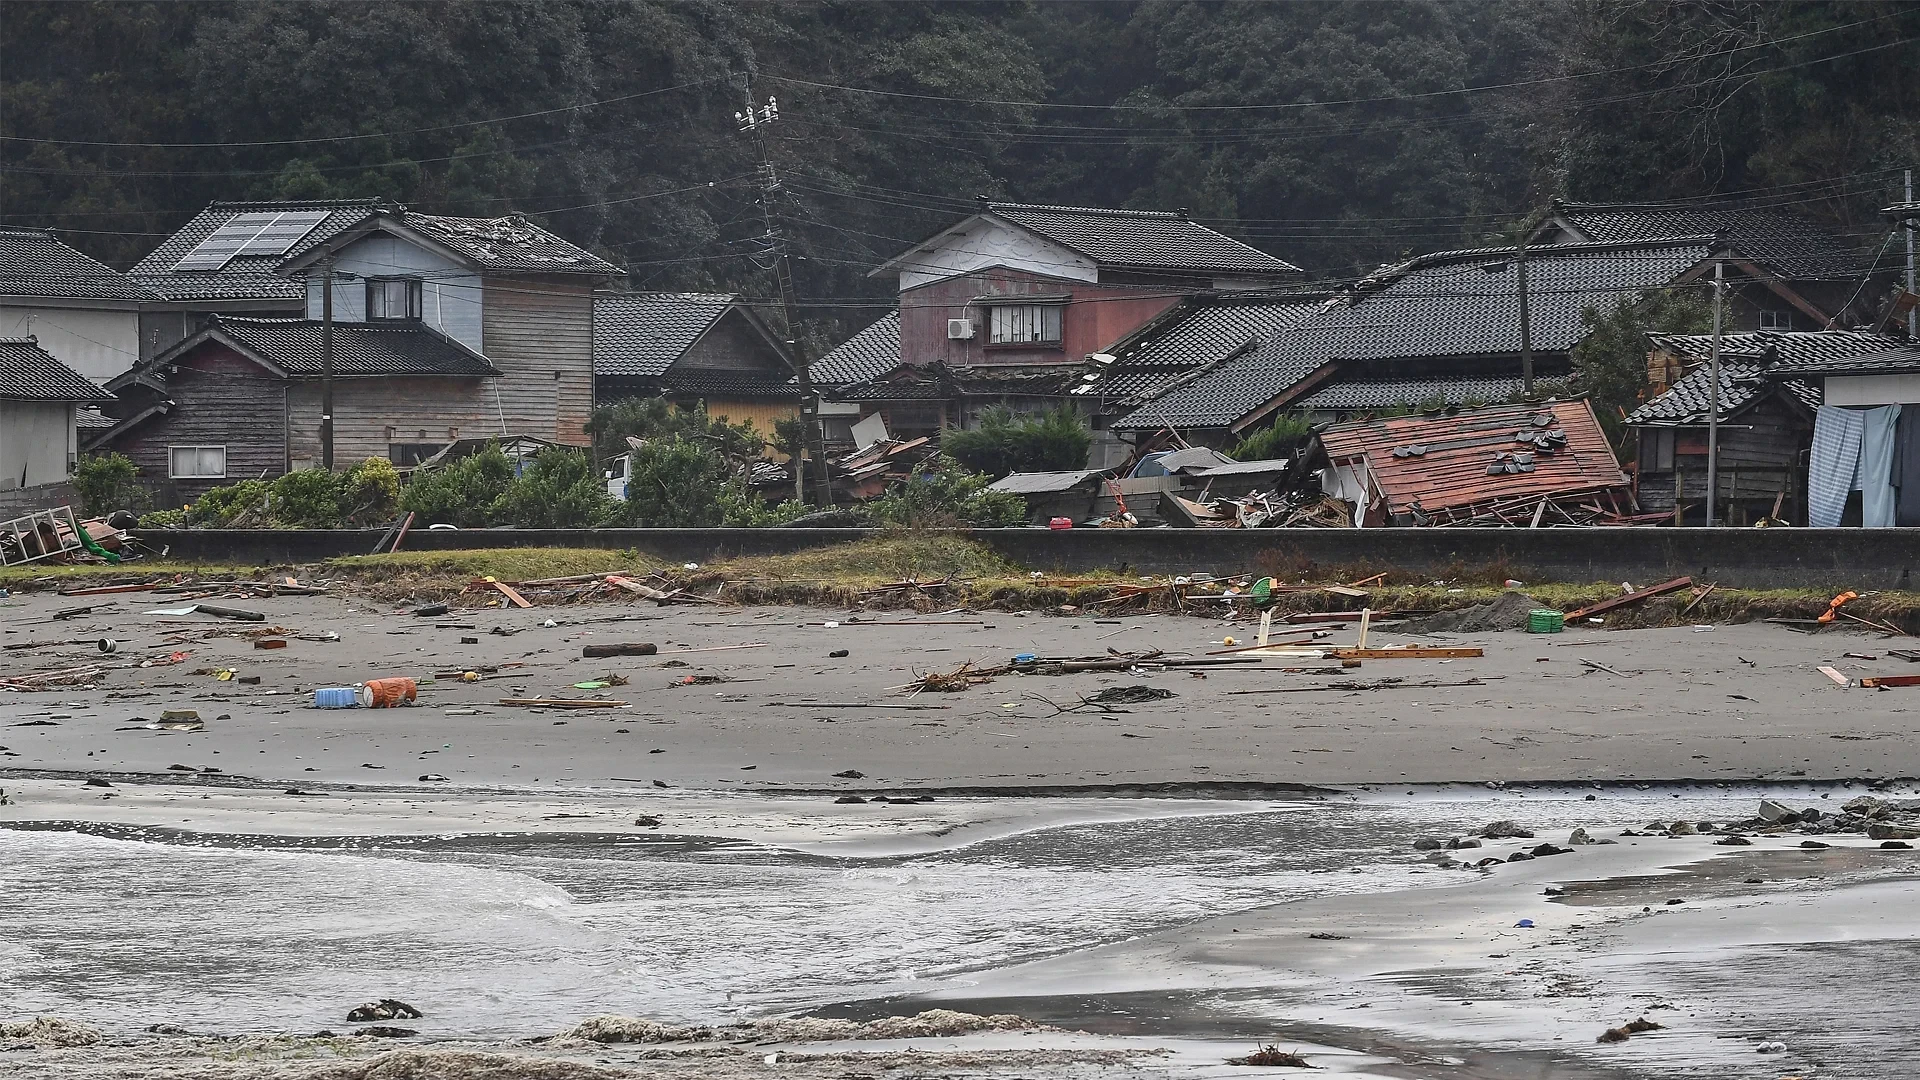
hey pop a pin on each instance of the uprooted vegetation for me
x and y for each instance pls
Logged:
(929, 1024)
(931, 571)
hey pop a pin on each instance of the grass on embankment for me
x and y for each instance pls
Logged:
(849, 574)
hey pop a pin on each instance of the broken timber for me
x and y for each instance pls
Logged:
(1630, 598)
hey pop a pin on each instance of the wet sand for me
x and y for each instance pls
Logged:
(1738, 702)
(1415, 980)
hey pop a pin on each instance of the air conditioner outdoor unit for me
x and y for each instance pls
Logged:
(959, 329)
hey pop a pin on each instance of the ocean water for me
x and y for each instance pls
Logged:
(507, 935)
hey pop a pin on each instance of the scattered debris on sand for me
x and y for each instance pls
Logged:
(1506, 612)
(1272, 1056)
(50, 1033)
(929, 1024)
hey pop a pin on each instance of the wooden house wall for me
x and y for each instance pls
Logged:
(733, 344)
(761, 414)
(539, 333)
(220, 399)
(370, 414)
(1762, 452)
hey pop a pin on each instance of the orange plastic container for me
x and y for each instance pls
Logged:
(387, 693)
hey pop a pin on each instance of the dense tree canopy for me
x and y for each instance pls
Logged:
(1336, 135)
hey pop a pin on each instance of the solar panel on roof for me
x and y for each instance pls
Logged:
(255, 233)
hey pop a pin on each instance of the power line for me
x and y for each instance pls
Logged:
(328, 139)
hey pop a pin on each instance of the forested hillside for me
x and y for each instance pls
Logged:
(1336, 135)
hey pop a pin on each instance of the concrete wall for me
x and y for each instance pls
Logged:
(1736, 558)
(42, 497)
(98, 343)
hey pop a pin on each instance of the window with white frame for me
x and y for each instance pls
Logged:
(1776, 320)
(393, 298)
(196, 462)
(1026, 324)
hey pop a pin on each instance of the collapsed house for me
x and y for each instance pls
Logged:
(1529, 465)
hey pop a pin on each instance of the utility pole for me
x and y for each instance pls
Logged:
(813, 442)
(1713, 396)
(326, 363)
(1526, 316)
(1913, 314)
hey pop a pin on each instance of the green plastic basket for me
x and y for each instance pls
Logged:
(1545, 621)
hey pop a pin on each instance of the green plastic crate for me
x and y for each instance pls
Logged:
(1545, 621)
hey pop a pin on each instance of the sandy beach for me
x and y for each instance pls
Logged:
(1168, 885)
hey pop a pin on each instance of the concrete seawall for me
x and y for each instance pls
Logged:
(1737, 558)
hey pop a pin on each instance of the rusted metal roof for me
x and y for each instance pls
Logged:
(1429, 464)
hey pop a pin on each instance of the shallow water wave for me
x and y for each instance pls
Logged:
(520, 935)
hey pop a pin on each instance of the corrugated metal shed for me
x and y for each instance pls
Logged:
(1433, 464)
(1043, 483)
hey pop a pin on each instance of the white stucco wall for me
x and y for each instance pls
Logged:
(36, 442)
(99, 343)
(450, 298)
(992, 243)
(1872, 389)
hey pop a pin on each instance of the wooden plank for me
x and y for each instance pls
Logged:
(564, 703)
(510, 593)
(1834, 674)
(1412, 652)
(1890, 680)
(1630, 598)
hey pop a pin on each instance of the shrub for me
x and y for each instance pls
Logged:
(741, 507)
(221, 507)
(1278, 439)
(306, 499)
(675, 483)
(108, 482)
(653, 419)
(465, 493)
(1006, 442)
(1610, 362)
(163, 519)
(940, 492)
(559, 490)
(370, 492)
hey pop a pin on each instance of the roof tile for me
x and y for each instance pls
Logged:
(30, 372)
(1790, 246)
(34, 262)
(640, 335)
(868, 354)
(1141, 238)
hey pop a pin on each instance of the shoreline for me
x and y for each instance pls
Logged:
(1259, 971)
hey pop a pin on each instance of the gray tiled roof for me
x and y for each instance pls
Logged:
(1689, 401)
(714, 383)
(1141, 238)
(359, 349)
(1747, 360)
(506, 244)
(33, 262)
(511, 244)
(870, 353)
(1901, 359)
(1199, 331)
(29, 372)
(1789, 246)
(1389, 393)
(246, 277)
(1455, 304)
(640, 335)
(1795, 347)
